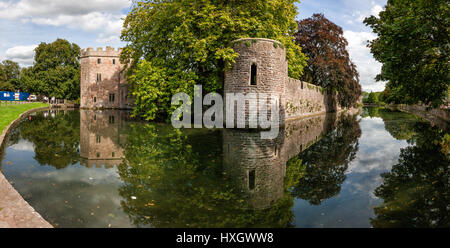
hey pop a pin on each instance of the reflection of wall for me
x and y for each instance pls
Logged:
(258, 166)
(102, 138)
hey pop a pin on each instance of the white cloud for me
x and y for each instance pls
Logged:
(53, 8)
(113, 39)
(360, 54)
(376, 10)
(21, 54)
(23, 145)
(102, 16)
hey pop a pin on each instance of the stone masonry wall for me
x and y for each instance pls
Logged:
(96, 94)
(297, 99)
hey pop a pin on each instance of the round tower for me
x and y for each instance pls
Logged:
(260, 68)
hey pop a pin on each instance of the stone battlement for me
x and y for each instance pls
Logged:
(101, 52)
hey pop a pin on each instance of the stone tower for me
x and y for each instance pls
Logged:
(103, 84)
(260, 68)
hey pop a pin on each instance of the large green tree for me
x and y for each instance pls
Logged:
(9, 76)
(413, 46)
(329, 63)
(175, 44)
(56, 70)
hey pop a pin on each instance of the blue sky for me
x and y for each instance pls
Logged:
(96, 23)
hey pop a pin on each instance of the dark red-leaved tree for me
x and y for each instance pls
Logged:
(329, 63)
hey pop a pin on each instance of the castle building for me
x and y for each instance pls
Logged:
(103, 83)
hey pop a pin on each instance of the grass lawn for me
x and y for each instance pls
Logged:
(9, 113)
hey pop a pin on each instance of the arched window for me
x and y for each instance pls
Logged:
(253, 76)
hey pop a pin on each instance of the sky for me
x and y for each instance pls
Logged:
(24, 24)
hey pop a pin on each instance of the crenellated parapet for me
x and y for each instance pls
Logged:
(101, 52)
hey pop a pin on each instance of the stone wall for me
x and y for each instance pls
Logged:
(269, 56)
(297, 99)
(96, 93)
(437, 116)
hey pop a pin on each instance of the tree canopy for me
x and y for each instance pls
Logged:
(9, 76)
(413, 46)
(173, 45)
(329, 63)
(56, 70)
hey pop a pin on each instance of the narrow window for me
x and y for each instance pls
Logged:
(95, 99)
(114, 61)
(98, 139)
(98, 154)
(95, 117)
(99, 77)
(112, 97)
(253, 75)
(113, 154)
(99, 61)
(251, 179)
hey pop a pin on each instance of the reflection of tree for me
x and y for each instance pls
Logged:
(174, 180)
(416, 191)
(11, 139)
(398, 124)
(327, 160)
(56, 140)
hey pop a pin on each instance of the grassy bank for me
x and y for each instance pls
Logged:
(11, 112)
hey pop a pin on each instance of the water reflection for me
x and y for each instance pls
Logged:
(55, 135)
(103, 137)
(327, 161)
(416, 190)
(101, 168)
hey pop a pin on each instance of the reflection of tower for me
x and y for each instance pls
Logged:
(255, 165)
(102, 138)
(258, 166)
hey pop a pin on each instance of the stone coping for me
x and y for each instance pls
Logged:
(256, 39)
(15, 212)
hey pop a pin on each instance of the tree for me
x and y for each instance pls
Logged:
(56, 71)
(413, 46)
(372, 98)
(187, 42)
(329, 64)
(9, 76)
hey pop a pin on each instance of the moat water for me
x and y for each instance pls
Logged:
(380, 168)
